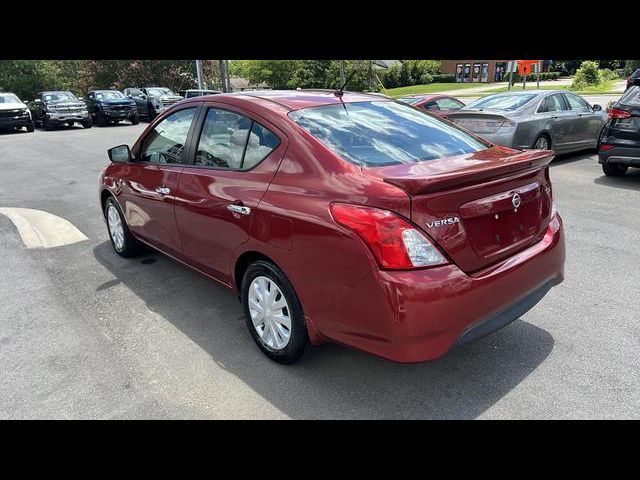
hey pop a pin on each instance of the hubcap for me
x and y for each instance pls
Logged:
(115, 227)
(270, 313)
(542, 143)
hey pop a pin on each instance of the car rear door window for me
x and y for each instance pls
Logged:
(431, 106)
(166, 142)
(552, 103)
(449, 104)
(233, 141)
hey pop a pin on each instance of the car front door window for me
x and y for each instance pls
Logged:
(165, 144)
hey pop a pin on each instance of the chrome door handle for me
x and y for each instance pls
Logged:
(163, 190)
(241, 209)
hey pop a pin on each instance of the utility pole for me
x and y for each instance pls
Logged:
(223, 75)
(341, 73)
(226, 76)
(199, 73)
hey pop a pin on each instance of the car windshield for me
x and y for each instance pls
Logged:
(59, 96)
(410, 100)
(108, 95)
(380, 133)
(9, 98)
(159, 91)
(507, 101)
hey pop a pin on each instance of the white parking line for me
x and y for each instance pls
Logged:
(40, 229)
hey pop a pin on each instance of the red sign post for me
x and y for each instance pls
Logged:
(526, 67)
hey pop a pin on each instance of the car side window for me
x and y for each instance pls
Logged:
(165, 143)
(261, 143)
(233, 141)
(576, 103)
(449, 104)
(552, 103)
(431, 106)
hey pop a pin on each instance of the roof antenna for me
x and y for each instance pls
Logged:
(340, 91)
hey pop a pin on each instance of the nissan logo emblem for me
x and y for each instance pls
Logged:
(516, 200)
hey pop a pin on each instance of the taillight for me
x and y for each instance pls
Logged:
(606, 146)
(617, 113)
(394, 242)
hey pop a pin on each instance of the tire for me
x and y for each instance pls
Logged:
(124, 244)
(152, 114)
(135, 120)
(260, 278)
(543, 142)
(88, 123)
(614, 169)
(30, 127)
(46, 124)
(100, 120)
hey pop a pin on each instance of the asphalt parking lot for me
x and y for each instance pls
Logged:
(87, 334)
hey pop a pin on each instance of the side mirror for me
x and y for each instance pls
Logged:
(120, 154)
(597, 108)
(143, 96)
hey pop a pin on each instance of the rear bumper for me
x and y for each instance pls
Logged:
(427, 312)
(504, 139)
(625, 155)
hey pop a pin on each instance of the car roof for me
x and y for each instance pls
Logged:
(297, 99)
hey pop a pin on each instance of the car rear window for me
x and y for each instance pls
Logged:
(631, 96)
(373, 134)
(507, 101)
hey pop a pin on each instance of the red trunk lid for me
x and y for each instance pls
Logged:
(481, 207)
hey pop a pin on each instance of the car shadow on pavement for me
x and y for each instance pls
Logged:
(629, 181)
(332, 382)
(567, 158)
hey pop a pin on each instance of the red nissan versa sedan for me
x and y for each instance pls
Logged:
(341, 217)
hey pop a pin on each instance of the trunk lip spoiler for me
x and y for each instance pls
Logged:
(462, 177)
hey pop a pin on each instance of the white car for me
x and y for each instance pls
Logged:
(14, 114)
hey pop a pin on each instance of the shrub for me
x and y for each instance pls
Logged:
(587, 75)
(606, 74)
(444, 78)
(426, 78)
(391, 77)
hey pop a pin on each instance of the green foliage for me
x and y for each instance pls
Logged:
(444, 78)
(631, 66)
(587, 75)
(411, 72)
(25, 78)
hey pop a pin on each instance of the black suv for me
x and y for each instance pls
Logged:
(620, 144)
(111, 106)
(55, 108)
(152, 100)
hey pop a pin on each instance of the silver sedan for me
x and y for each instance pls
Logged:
(544, 119)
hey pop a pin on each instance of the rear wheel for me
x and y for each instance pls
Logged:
(30, 127)
(46, 124)
(124, 243)
(273, 313)
(614, 169)
(543, 142)
(135, 120)
(87, 123)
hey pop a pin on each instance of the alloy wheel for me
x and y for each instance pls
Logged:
(116, 230)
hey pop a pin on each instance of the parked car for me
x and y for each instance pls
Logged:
(620, 147)
(152, 100)
(111, 106)
(543, 119)
(197, 93)
(55, 108)
(352, 218)
(440, 105)
(14, 113)
(634, 79)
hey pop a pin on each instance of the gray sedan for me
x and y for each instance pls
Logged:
(544, 119)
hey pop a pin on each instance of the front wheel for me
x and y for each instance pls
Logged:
(135, 120)
(88, 123)
(46, 124)
(614, 169)
(124, 243)
(31, 127)
(101, 120)
(273, 313)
